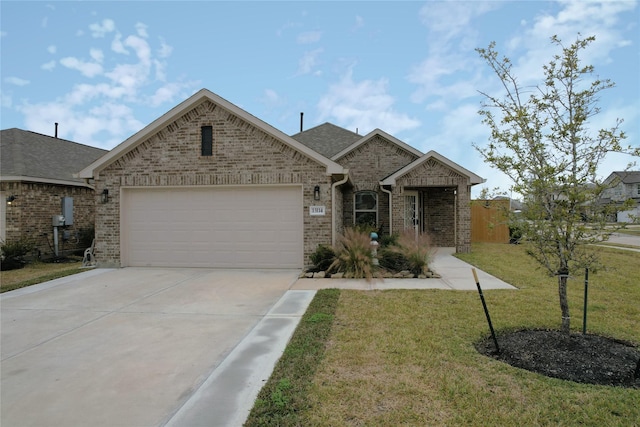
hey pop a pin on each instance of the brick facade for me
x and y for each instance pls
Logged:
(368, 164)
(29, 215)
(446, 198)
(247, 152)
(242, 155)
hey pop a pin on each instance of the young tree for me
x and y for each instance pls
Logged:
(540, 138)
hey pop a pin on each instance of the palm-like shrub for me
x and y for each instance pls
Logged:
(353, 255)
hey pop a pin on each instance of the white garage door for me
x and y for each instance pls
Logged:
(229, 227)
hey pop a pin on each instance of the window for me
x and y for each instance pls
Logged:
(637, 189)
(207, 141)
(366, 208)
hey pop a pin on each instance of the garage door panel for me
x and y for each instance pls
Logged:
(247, 227)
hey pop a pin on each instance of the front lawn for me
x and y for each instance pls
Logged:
(407, 357)
(37, 272)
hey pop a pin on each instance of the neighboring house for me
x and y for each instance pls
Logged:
(209, 185)
(620, 187)
(37, 182)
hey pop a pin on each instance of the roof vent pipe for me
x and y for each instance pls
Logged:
(301, 114)
(56, 129)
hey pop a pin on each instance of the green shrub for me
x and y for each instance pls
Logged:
(12, 253)
(323, 257)
(416, 250)
(388, 240)
(353, 255)
(393, 260)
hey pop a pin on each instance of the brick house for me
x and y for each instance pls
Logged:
(37, 182)
(209, 185)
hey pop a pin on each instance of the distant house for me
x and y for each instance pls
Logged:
(209, 185)
(622, 186)
(36, 183)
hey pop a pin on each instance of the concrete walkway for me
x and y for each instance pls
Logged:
(455, 275)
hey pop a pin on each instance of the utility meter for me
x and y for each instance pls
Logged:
(57, 221)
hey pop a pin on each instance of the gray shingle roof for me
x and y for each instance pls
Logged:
(628, 177)
(327, 139)
(35, 156)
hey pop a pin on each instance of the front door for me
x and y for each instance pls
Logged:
(412, 211)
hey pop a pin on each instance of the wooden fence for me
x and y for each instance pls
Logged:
(489, 221)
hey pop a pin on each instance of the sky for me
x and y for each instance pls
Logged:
(104, 70)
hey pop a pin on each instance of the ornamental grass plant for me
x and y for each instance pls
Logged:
(353, 255)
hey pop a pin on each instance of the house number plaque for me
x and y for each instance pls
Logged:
(316, 210)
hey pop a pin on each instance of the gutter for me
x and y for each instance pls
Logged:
(390, 208)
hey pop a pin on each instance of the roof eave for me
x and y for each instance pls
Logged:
(370, 135)
(473, 178)
(45, 181)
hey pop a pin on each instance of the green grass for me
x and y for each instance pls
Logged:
(36, 272)
(406, 357)
(284, 396)
(631, 231)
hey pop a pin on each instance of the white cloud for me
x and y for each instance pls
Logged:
(49, 65)
(272, 99)
(309, 61)
(117, 46)
(96, 55)
(52, 49)
(599, 19)
(165, 50)
(5, 100)
(88, 69)
(364, 105)
(101, 111)
(16, 81)
(165, 94)
(141, 30)
(451, 19)
(101, 29)
(359, 23)
(309, 37)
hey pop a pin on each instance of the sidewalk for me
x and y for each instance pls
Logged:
(455, 275)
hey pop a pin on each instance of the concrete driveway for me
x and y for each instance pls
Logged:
(141, 346)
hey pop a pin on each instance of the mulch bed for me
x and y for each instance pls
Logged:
(589, 359)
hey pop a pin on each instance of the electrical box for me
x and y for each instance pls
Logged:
(57, 221)
(67, 210)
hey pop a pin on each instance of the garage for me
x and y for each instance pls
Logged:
(219, 227)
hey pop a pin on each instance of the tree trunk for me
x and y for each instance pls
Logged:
(564, 303)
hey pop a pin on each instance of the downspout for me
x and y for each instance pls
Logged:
(390, 209)
(455, 218)
(333, 205)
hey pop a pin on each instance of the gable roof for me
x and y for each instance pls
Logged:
(391, 179)
(30, 156)
(327, 139)
(627, 177)
(201, 96)
(368, 137)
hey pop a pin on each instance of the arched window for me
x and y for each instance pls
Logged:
(366, 208)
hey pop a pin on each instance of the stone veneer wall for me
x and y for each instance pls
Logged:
(242, 155)
(29, 216)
